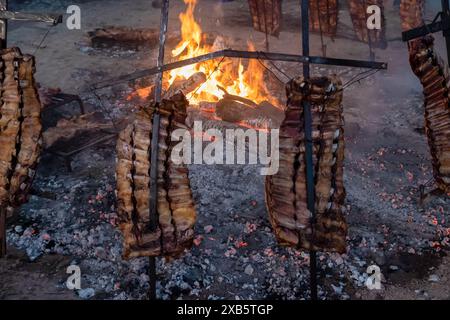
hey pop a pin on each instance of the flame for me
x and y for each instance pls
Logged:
(247, 83)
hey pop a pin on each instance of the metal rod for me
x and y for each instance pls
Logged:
(422, 31)
(319, 17)
(309, 150)
(446, 25)
(153, 218)
(265, 26)
(369, 38)
(37, 17)
(305, 36)
(241, 54)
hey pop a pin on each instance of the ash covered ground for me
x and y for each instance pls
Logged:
(235, 255)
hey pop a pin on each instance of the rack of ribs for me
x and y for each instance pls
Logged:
(20, 133)
(286, 196)
(175, 206)
(20, 127)
(266, 16)
(323, 16)
(434, 76)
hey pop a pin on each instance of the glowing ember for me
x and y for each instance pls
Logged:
(230, 75)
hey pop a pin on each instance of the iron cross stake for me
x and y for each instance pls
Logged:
(6, 15)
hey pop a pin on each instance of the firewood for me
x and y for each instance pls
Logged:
(186, 86)
(358, 8)
(20, 131)
(243, 100)
(233, 108)
(286, 195)
(175, 206)
(236, 111)
(434, 76)
(324, 16)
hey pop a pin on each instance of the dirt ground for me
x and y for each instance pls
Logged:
(387, 159)
(40, 280)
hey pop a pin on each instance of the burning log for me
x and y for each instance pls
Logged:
(266, 16)
(175, 204)
(20, 132)
(186, 86)
(286, 196)
(235, 109)
(377, 38)
(324, 16)
(179, 85)
(434, 76)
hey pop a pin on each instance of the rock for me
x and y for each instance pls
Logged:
(18, 229)
(86, 293)
(393, 268)
(337, 290)
(379, 258)
(100, 253)
(339, 260)
(249, 270)
(208, 228)
(193, 276)
(433, 278)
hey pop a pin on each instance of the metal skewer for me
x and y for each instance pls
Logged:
(153, 201)
(309, 149)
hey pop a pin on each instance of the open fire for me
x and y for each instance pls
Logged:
(220, 78)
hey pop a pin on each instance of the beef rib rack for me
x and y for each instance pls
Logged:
(286, 196)
(176, 211)
(20, 127)
(266, 16)
(412, 14)
(20, 133)
(323, 16)
(434, 76)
